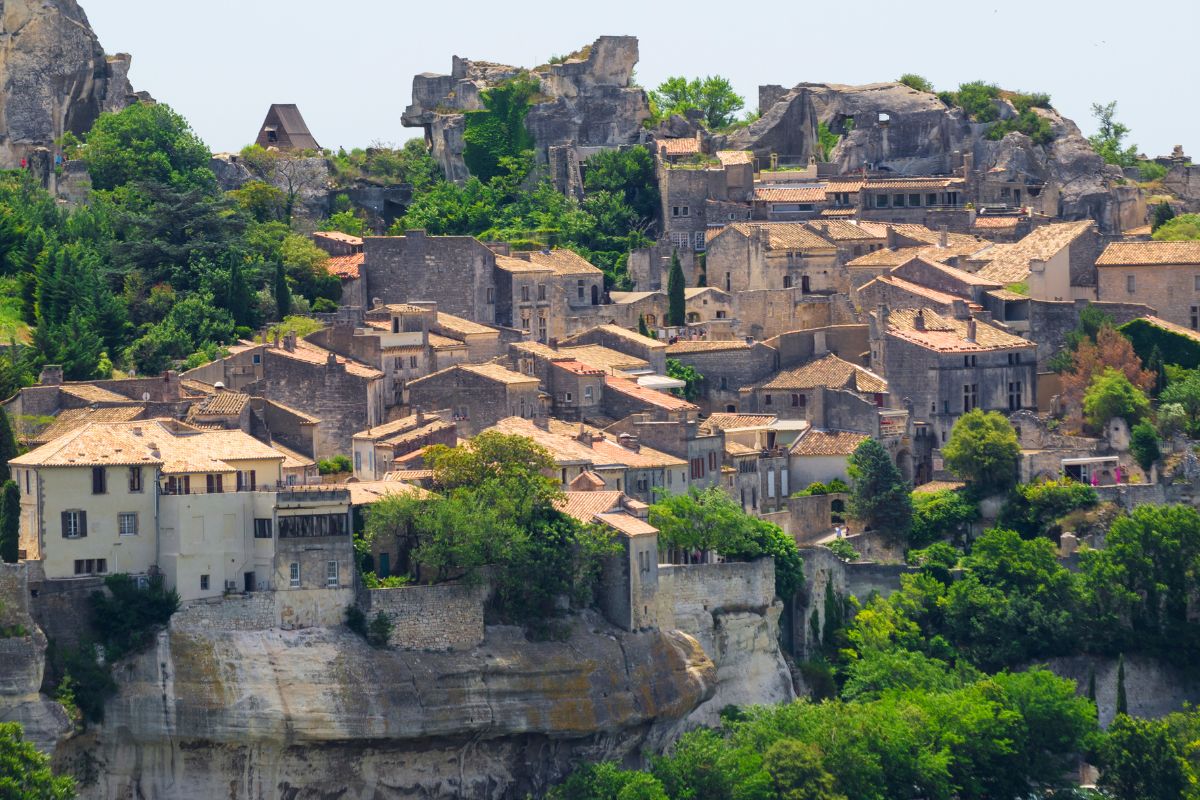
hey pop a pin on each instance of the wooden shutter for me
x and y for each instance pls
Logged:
(82, 524)
(64, 524)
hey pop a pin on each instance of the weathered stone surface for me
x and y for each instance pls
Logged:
(54, 76)
(586, 101)
(317, 713)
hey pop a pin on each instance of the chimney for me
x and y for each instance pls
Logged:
(583, 435)
(52, 375)
(289, 341)
(276, 337)
(882, 313)
(420, 416)
(330, 359)
(376, 303)
(943, 236)
(891, 241)
(971, 330)
(541, 421)
(919, 320)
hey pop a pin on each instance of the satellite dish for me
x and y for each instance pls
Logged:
(145, 395)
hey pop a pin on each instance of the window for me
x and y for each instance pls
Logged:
(931, 199)
(1130, 283)
(74, 524)
(309, 525)
(525, 294)
(204, 583)
(99, 480)
(724, 383)
(770, 484)
(262, 528)
(542, 331)
(127, 524)
(293, 574)
(798, 400)
(898, 200)
(1195, 326)
(1014, 358)
(766, 399)
(697, 465)
(135, 479)
(787, 281)
(214, 484)
(91, 566)
(541, 291)
(357, 461)
(525, 323)
(179, 484)
(1014, 396)
(712, 462)
(881, 201)
(914, 199)
(589, 393)
(395, 324)
(412, 362)
(579, 287)
(247, 480)
(331, 574)
(397, 363)
(257, 359)
(491, 296)
(681, 211)
(1196, 282)
(567, 397)
(970, 396)
(969, 361)
(28, 490)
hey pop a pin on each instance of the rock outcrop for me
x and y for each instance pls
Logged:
(54, 76)
(587, 100)
(318, 713)
(891, 127)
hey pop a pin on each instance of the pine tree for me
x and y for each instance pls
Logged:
(880, 496)
(1163, 213)
(676, 306)
(10, 521)
(833, 614)
(283, 296)
(643, 329)
(1122, 701)
(8, 446)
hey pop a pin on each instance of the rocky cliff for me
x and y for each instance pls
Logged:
(587, 100)
(318, 713)
(891, 127)
(54, 76)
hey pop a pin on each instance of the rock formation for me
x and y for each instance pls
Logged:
(54, 76)
(587, 100)
(318, 713)
(891, 127)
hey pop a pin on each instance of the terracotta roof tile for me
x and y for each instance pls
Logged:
(577, 367)
(633, 337)
(520, 265)
(995, 223)
(829, 371)
(345, 267)
(364, 493)
(585, 505)
(91, 393)
(840, 230)
(784, 235)
(221, 404)
(648, 397)
(338, 236)
(933, 295)
(464, 327)
(626, 523)
(914, 183)
(678, 147)
(827, 443)
(938, 486)
(602, 357)
(731, 158)
(72, 419)
(312, 354)
(496, 372)
(728, 422)
(1011, 263)
(565, 262)
(1127, 254)
(949, 335)
(705, 346)
(790, 194)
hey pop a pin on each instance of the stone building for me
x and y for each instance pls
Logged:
(756, 459)
(284, 129)
(725, 366)
(376, 450)
(1054, 262)
(821, 456)
(747, 256)
(700, 190)
(703, 450)
(456, 272)
(798, 392)
(479, 395)
(942, 366)
(1162, 275)
(625, 341)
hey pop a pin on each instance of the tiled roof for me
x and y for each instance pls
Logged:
(678, 147)
(585, 505)
(844, 185)
(728, 422)
(464, 327)
(692, 292)
(312, 354)
(887, 257)
(363, 493)
(840, 230)
(605, 358)
(995, 223)
(829, 371)
(496, 372)
(933, 295)
(632, 337)
(536, 349)
(914, 183)
(403, 425)
(1005, 294)
(304, 419)
(956, 275)
(587, 481)
(790, 194)
(730, 158)
(444, 342)
(601, 451)
(827, 443)
(923, 233)
(72, 419)
(706, 346)
(632, 297)
(1011, 263)
(1122, 254)
(648, 397)
(784, 235)
(1140, 230)
(838, 212)
(221, 404)
(577, 367)
(565, 262)
(949, 335)
(610, 450)
(733, 448)
(91, 393)
(345, 267)
(938, 486)
(627, 523)
(520, 265)
(338, 236)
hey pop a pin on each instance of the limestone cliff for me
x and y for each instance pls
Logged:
(587, 100)
(54, 75)
(317, 713)
(891, 127)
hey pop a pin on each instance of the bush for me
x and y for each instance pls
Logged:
(1143, 443)
(1033, 507)
(1112, 395)
(323, 305)
(835, 486)
(843, 550)
(939, 515)
(918, 82)
(334, 466)
(128, 617)
(379, 631)
(356, 620)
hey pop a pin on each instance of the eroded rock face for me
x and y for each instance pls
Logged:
(54, 76)
(317, 713)
(587, 100)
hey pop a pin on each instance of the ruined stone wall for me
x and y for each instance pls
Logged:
(442, 617)
(456, 272)
(726, 371)
(22, 663)
(688, 596)
(765, 313)
(1051, 321)
(62, 609)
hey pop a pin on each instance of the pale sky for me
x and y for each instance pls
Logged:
(349, 64)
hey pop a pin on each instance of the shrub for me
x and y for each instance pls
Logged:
(915, 81)
(333, 466)
(323, 305)
(379, 631)
(356, 620)
(1143, 443)
(1033, 507)
(1112, 395)
(843, 550)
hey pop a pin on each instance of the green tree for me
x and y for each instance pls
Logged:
(688, 374)
(1162, 214)
(1111, 395)
(676, 304)
(346, 222)
(1032, 508)
(983, 450)
(797, 772)
(1140, 759)
(713, 95)
(1109, 139)
(281, 292)
(498, 132)
(1185, 227)
(10, 521)
(1143, 443)
(239, 298)
(8, 446)
(880, 496)
(939, 515)
(915, 81)
(146, 142)
(25, 773)
(643, 329)
(1122, 700)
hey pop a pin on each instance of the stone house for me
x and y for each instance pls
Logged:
(756, 460)
(284, 129)
(788, 203)
(479, 395)
(1163, 275)
(625, 341)
(344, 394)
(918, 200)
(376, 450)
(953, 252)
(576, 389)
(725, 366)
(456, 272)
(799, 392)
(625, 396)
(205, 509)
(821, 456)
(853, 238)
(1054, 262)
(702, 450)
(942, 366)
(345, 261)
(336, 243)
(778, 255)
(699, 191)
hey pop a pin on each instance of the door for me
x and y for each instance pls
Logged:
(385, 565)
(249, 578)
(804, 284)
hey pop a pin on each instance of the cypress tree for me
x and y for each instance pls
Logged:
(1091, 690)
(1155, 364)
(239, 294)
(10, 521)
(833, 614)
(283, 297)
(8, 446)
(814, 628)
(1122, 701)
(642, 327)
(676, 306)
(1163, 213)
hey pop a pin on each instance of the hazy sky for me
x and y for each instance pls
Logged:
(349, 64)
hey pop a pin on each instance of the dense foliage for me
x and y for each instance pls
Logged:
(497, 133)
(1110, 396)
(1174, 348)
(25, 773)
(1032, 508)
(689, 375)
(676, 304)
(1185, 227)
(940, 515)
(879, 495)
(915, 81)
(713, 96)
(983, 450)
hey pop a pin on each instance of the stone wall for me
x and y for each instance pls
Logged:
(456, 272)
(689, 596)
(62, 609)
(1128, 496)
(1152, 688)
(1051, 321)
(848, 342)
(857, 579)
(442, 617)
(237, 612)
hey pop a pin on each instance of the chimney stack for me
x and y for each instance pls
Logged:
(919, 320)
(52, 375)
(971, 329)
(943, 237)
(289, 341)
